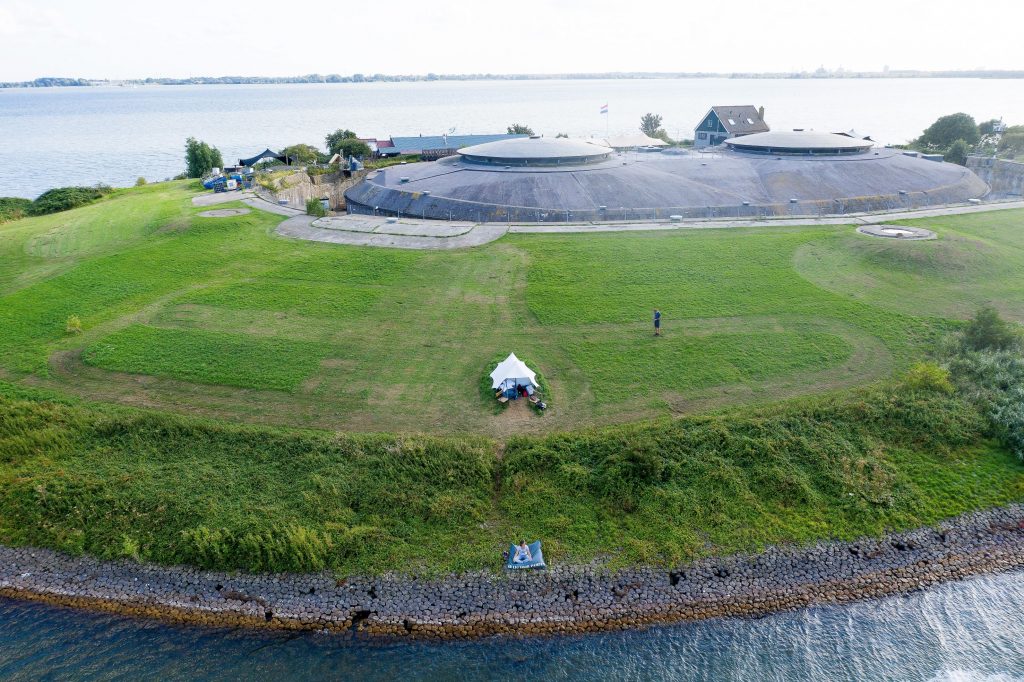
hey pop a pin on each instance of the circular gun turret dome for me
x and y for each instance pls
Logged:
(535, 151)
(798, 142)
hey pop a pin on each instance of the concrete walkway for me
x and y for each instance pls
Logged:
(214, 198)
(851, 219)
(361, 230)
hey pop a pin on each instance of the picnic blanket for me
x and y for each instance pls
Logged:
(535, 552)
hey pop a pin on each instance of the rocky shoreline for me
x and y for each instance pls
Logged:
(561, 600)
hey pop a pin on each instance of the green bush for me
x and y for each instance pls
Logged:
(13, 208)
(988, 331)
(928, 376)
(314, 207)
(994, 380)
(66, 198)
(957, 153)
(140, 181)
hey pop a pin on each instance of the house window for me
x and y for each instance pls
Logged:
(750, 121)
(711, 123)
(702, 136)
(732, 122)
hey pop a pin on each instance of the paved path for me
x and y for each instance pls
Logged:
(852, 219)
(406, 233)
(214, 198)
(362, 230)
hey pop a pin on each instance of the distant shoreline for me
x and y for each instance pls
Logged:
(819, 74)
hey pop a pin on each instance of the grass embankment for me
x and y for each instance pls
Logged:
(117, 482)
(385, 340)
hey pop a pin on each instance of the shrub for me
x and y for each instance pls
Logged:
(957, 153)
(13, 208)
(66, 198)
(994, 380)
(314, 207)
(74, 325)
(988, 331)
(140, 181)
(928, 376)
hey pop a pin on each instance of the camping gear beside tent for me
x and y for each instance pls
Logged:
(537, 560)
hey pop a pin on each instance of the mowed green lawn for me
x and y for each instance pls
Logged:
(218, 316)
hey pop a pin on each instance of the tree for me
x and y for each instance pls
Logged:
(650, 125)
(351, 147)
(565, 135)
(957, 153)
(520, 129)
(333, 140)
(987, 127)
(303, 153)
(200, 158)
(948, 129)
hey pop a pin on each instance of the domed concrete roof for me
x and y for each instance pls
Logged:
(798, 142)
(535, 150)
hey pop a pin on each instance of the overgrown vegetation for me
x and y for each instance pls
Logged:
(115, 482)
(315, 208)
(987, 362)
(13, 208)
(66, 198)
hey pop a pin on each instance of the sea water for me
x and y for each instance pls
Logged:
(52, 137)
(966, 631)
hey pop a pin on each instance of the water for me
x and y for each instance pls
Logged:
(61, 136)
(965, 631)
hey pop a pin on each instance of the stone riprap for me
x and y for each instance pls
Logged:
(561, 600)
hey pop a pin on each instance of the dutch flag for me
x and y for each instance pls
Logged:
(604, 108)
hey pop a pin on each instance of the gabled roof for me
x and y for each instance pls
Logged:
(740, 119)
(421, 143)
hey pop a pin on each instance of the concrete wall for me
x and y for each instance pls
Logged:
(1006, 178)
(301, 187)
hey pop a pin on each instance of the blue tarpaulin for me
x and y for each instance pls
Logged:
(536, 560)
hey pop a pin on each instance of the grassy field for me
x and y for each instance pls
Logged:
(219, 317)
(259, 360)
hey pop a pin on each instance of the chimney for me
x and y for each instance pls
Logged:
(760, 112)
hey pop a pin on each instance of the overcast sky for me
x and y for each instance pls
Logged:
(131, 39)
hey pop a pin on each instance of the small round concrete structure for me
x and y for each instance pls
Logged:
(535, 151)
(224, 212)
(896, 232)
(800, 142)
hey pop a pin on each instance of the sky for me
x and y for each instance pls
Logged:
(120, 39)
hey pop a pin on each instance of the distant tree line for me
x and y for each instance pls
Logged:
(47, 83)
(390, 78)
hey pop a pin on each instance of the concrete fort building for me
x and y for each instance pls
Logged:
(539, 179)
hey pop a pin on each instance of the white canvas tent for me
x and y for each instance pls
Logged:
(512, 372)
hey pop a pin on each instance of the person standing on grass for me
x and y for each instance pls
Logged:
(657, 322)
